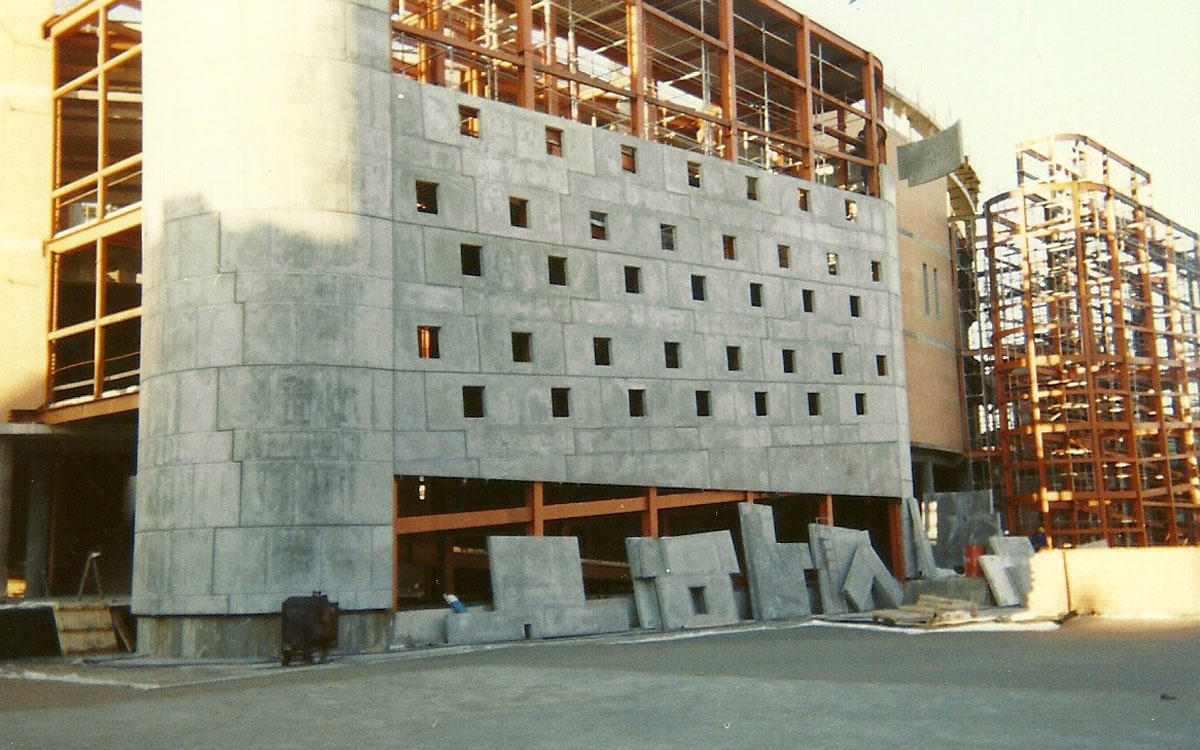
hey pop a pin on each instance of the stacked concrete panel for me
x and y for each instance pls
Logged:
(537, 592)
(684, 581)
(1007, 569)
(850, 575)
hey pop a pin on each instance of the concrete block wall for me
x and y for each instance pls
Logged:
(787, 449)
(287, 269)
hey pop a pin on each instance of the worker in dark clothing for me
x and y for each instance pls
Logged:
(1038, 539)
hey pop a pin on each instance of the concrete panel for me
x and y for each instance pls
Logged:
(535, 571)
(995, 570)
(962, 518)
(774, 572)
(859, 578)
(690, 577)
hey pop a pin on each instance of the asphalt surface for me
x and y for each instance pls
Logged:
(1091, 683)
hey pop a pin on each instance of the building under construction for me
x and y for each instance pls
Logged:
(1088, 334)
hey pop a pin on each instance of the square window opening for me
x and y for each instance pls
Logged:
(468, 121)
(785, 256)
(637, 402)
(760, 403)
(522, 346)
(666, 234)
(471, 259)
(628, 158)
(560, 402)
(633, 279)
(699, 605)
(809, 299)
(427, 342)
(472, 401)
(881, 365)
(831, 262)
(671, 354)
(698, 290)
(518, 211)
(602, 351)
(751, 188)
(427, 197)
(756, 295)
(855, 306)
(851, 210)
(556, 269)
(802, 198)
(860, 404)
(876, 271)
(789, 360)
(814, 404)
(733, 358)
(554, 141)
(693, 174)
(837, 362)
(599, 225)
(703, 404)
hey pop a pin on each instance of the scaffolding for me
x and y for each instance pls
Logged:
(751, 81)
(1087, 337)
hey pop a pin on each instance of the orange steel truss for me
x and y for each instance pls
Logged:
(1092, 298)
(747, 80)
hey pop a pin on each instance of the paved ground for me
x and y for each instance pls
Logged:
(1091, 683)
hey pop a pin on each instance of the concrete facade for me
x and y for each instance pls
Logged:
(288, 269)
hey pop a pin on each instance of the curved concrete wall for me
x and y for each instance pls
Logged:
(265, 432)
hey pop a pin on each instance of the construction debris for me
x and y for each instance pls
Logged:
(929, 612)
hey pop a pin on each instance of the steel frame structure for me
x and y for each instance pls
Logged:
(94, 325)
(1092, 303)
(747, 80)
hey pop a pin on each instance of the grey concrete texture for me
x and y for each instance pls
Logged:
(815, 686)
(774, 571)
(850, 575)
(962, 518)
(996, 570)
(684, 581)
(931, 158)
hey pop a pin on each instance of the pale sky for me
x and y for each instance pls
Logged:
(1125, 72)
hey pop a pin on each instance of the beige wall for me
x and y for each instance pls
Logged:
(930, 337)
(1118, 582)
(24, 196)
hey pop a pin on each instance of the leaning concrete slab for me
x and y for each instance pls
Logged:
(684, 582)
(922, 553)
(995, 570)
(1011, 546)
(833, 550)
(774, 571)
(535, 571)
(859, 579)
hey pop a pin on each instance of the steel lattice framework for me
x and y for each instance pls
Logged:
(1090, 331)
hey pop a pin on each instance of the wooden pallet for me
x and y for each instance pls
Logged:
(929, 612)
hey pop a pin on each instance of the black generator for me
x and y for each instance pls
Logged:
(309, 625)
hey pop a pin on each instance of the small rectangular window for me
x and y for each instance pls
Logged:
(693, 171)
(637, 402)
(855, 306)
(522, 346)
(851, 210)
(802, 198)
(785, 256)
(809, 300)
(831, 261)
(703, 404)
(881, 364)
(755, 295)
(666, 235)
(427, 342)
(671, 354)
(560, 402)
(789, 360)
(556, 269)
(554, 141)
(599, 225)
(628, 158)
(814, 404)
(729, 246)
(471, 259)
(699, 605)
(760, 403)
(733, 358)
(633, 279)
(837, 361)
(751, 188)
(876, 271)
(602, 351)
(698, 291)
(472, 399)
(860, 404)
(518, 211)
(468, 121)
(427, 197)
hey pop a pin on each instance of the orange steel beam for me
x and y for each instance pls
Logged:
(102, 407)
